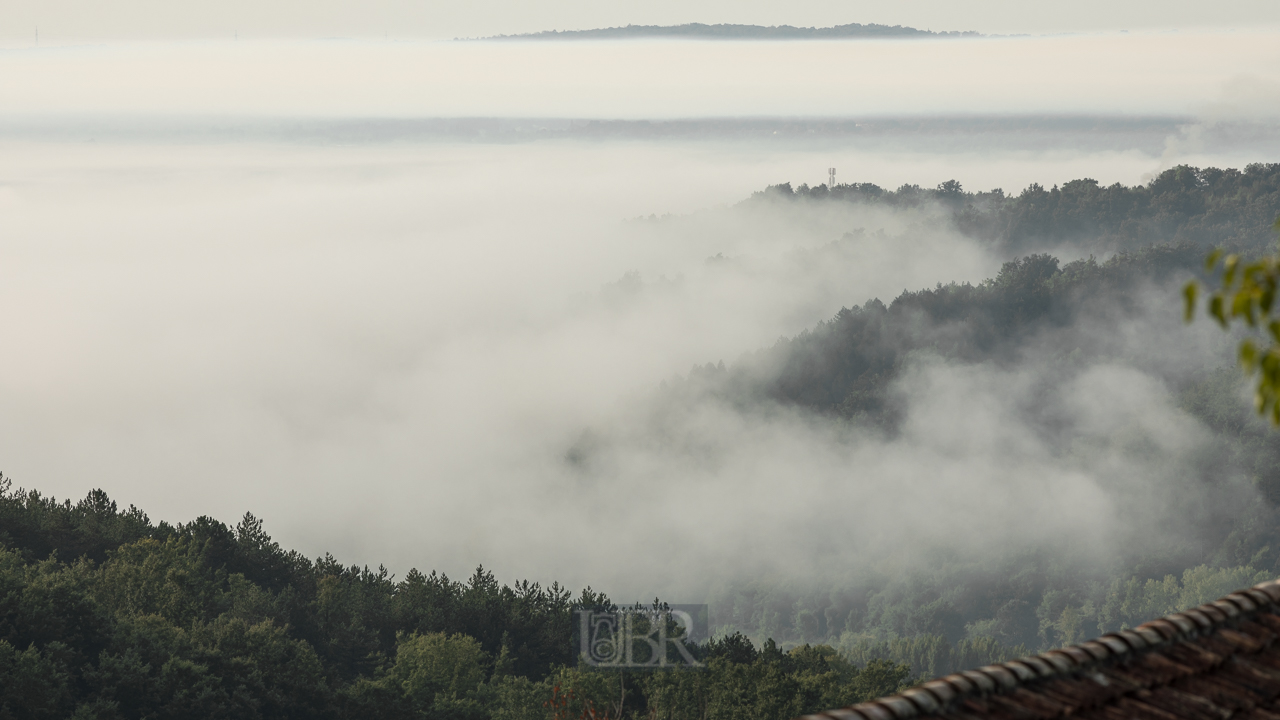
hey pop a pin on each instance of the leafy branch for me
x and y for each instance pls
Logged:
(1247, 292)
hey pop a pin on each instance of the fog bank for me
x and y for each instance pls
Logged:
(386, 351)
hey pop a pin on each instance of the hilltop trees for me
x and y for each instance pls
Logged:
(105, 615)
(1207, 207)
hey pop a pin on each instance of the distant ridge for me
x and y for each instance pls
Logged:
(738, 32)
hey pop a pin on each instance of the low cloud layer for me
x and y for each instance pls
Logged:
(388, 351)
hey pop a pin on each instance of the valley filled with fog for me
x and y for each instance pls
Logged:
(387, 349)
(567, 313)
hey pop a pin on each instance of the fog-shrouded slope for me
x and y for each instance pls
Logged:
(739, 32)
(107, 614)
(957, 475)
(1034, 458)
(1232, 208)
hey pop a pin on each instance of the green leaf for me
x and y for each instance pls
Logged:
(1215, 309)
(1229, 267)
(1248, 355)
(1212, 260)
(1242, 304)
(1189, 292)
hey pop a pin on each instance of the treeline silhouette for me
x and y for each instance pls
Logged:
(739, 32)
(1158, 235)
(104, 614)
(1231, 208)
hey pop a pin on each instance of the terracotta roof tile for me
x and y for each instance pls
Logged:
(1182, 621)
(1221, 691)
(1197, 614)
(943, 692)
(922, 699)
(899, 706)
(1022, 670)
(1187, 705)
(875, 712)
(845, 714)
(1257, 630)
(1098, 650)
(1115, 644)
(1004, 677)
(1219, 661)
(1137, 708)
(1243, 601)
(961, 684)
(983, 683)
(1079, 654)
(1151, 635)
(1061, 662)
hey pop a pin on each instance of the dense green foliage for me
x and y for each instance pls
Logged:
(106, 615)
(1246, 292)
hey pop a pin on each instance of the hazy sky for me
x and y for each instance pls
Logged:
(61, 20)
(1200, 72)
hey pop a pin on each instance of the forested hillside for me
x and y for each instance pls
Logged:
(1040, 323)
(104, 613)
(1204, 206)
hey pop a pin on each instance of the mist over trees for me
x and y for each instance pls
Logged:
(105, 613)
(1043, 323)
(1230, 208)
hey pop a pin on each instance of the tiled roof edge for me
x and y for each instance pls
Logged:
(942, 693)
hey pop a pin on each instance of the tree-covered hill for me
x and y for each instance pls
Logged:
(104, 614)
(1157, 234)
(1203, 206)
(1039, 324)
(739, 32)
(1059, 321)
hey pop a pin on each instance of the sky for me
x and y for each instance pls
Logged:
(84, 20)
(1193, 73)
